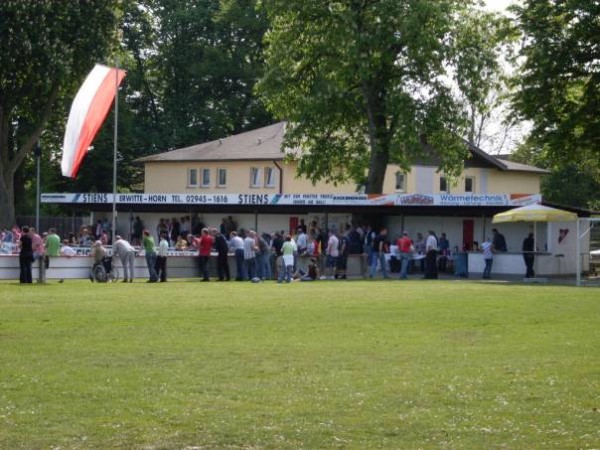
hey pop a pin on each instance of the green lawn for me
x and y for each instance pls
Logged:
(358, 364)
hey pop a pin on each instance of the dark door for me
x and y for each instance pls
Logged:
(468, 229)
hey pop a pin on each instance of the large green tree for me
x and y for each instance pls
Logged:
(367, 82)
(559, 81)
(568, 183)
(46, 48)
(206, 58)
(191, 69)
(483, 43)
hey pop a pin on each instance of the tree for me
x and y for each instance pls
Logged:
(46, 48)
(484, 42)
(207, 56)
(559, 81)
(367, 82)
(567, 184)
(191, 69)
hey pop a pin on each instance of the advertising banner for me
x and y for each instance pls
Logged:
(298, 199)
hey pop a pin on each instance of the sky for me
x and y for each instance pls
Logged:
(498, 5)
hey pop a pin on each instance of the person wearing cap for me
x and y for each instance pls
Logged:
(405, 249)
(126, 253)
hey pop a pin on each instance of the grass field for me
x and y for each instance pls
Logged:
(358, 364)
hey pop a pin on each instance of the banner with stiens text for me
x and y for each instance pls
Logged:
(297, 199)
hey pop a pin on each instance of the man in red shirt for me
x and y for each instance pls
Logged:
(405, 249)
(205, 247)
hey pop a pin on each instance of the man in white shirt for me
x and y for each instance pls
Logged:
(332, 252)
(126, 253)
(161, 258)
(431, 247)
(67, 250)
(236, 244)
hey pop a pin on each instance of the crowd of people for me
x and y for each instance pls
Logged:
(308, 254)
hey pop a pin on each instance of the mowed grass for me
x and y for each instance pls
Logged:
(357, 364)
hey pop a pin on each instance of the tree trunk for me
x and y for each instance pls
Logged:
(11, 160)
(7, 204)
(377, 166)
(378, 141)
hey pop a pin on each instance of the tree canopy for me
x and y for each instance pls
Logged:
(365, 83)
(43, 53)
(559, 80)
(191, 69)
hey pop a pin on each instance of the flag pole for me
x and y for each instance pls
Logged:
(114, 205)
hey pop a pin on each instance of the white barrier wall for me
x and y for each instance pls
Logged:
(78, 267)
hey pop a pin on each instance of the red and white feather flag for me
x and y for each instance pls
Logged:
(88, 112)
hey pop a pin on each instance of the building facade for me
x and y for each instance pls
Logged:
(252, 178)
(255, 162)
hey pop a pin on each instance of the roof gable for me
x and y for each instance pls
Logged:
(266, 144)
(260, 144)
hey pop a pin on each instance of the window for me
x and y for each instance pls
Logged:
(254, 177)
(205, 177)
(443, 184)
(400, 182)
(469, 184)
(221, 177)
(269, 177)
(192, 177)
